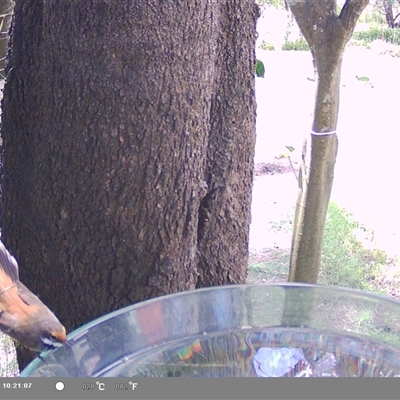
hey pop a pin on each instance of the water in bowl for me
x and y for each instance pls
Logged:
(271, 352)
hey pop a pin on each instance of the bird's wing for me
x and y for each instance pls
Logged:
(27, 296)
(8, 269)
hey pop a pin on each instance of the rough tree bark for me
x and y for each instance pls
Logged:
(129, 133)
(327, 35)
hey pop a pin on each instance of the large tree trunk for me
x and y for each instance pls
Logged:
(327, 35)
(129, 133)
(224, 217)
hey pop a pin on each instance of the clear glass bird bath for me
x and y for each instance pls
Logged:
(266, 330)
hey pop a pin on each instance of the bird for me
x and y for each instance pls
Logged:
(23, 316)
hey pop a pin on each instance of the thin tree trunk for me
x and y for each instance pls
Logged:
(316, 177)
(327, 35)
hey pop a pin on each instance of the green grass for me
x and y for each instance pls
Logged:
(267, 46)
(346, 259)
(297, 45)
(375, 33)
(348, 256)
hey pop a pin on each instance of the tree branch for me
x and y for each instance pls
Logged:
(303, 12)
(350, 13)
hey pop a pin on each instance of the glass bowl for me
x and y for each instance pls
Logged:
(263, 330)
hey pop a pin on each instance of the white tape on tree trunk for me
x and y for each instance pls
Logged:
(323, 133)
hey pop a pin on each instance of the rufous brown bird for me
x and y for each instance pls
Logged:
(23, 316)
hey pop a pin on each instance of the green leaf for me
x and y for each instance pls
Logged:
(362, 78)
(290, 148)
(260, 69)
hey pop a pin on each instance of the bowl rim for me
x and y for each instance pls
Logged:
(340, 289)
